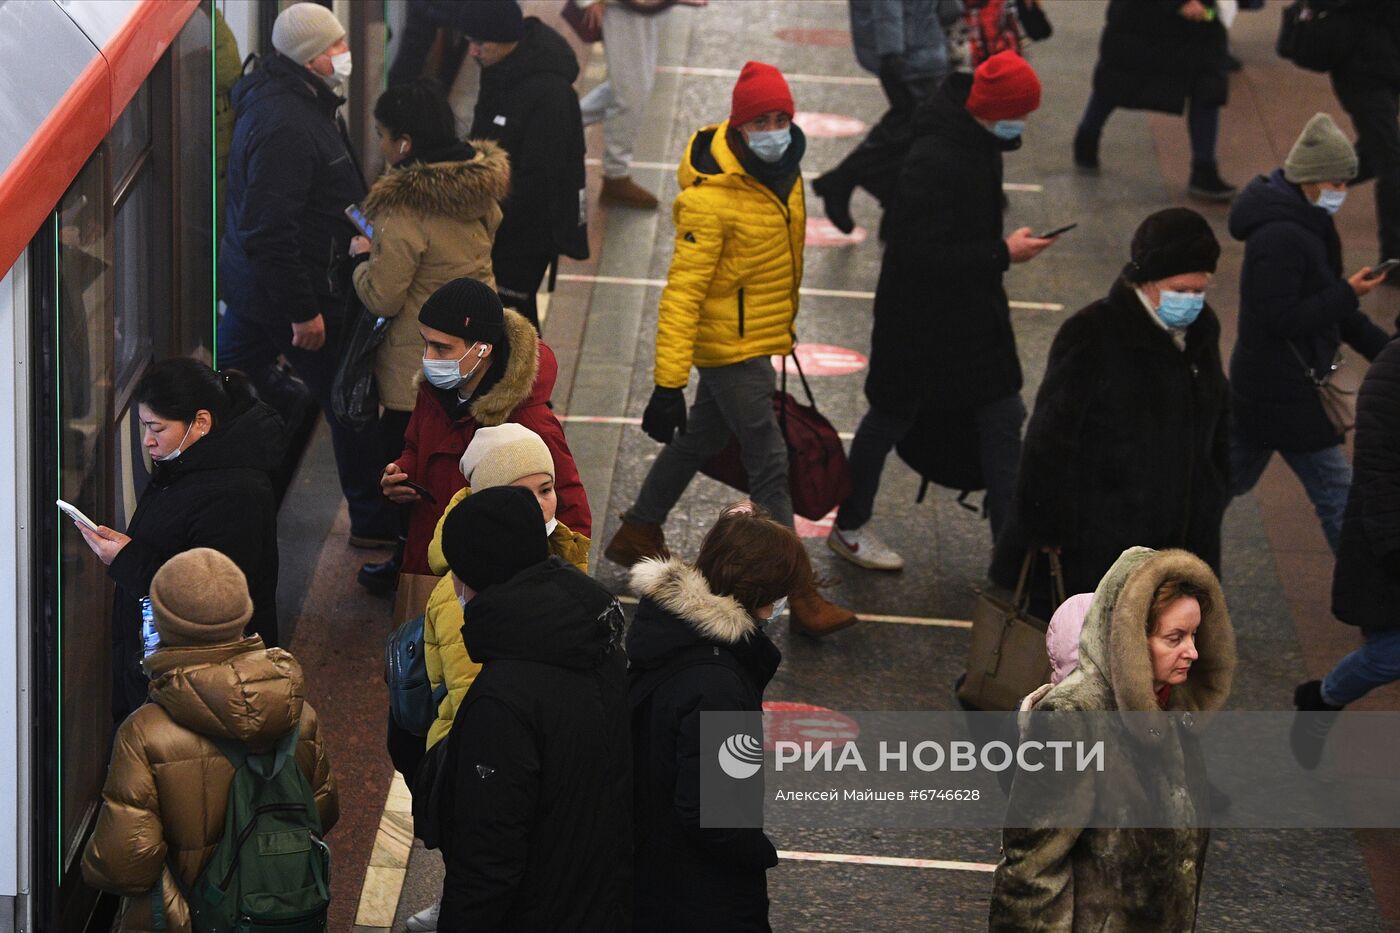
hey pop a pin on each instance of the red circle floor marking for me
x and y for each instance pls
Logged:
(828, 125)
(805, 724)
(823, 359)
(829, 37)
(806, 528)
(822, 232)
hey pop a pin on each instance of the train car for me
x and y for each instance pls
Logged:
(106, 265)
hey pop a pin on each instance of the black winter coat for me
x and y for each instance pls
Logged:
(528, 104)
(1153, 58)
(291, 174)
(1366, 583)
(1293, 303)
(538, 834)
(1377, 53)
(690, 651)
(217, 494)
(1127, 444)
(943, 336)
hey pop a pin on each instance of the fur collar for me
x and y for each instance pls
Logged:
(495, 405)
(457, 190)
(683, 591)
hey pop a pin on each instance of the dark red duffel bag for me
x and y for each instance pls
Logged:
(819, 477)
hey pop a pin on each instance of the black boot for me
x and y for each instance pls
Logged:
(1086, 151)
(1207, 185)
(382, 578)
(834, 188)
(1310, 727)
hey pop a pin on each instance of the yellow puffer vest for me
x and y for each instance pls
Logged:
(731, 294)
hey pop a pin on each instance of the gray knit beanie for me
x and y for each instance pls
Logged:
(1322, 153)
(304, 30)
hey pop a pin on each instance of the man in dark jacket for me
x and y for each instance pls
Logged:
(527, 104)
(943, 337)
(538, 833)
(282, 265)
(1295, 312)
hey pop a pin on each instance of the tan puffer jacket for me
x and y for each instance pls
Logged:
(167, 786)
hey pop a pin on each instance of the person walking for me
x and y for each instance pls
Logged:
(1129, 440)
(1168, 56)
(538, 832)
(435, 214)
(698, 644)
(1157, 639)
(168, 785)
(283, 272)
(527, 104)
(1296, 310)
(213, 448)
(730, 303)
(943, 336)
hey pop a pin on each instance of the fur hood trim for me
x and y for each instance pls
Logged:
(683, 591)
(463, 191)
(523, 367)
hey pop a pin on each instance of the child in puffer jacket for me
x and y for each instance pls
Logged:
(1062, 644)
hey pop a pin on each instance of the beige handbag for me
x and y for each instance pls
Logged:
(411, 597)
(1336, 391)
(1007, 657)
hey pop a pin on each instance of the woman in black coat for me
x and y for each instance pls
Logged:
(1128, 442)
(1158, 55)
(1295, 312)
(212, 446)
(697, 645)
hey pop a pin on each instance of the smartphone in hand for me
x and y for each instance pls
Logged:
(1379, 271)
(420, 490)
(1056, 232)
(75, 513)
(361, 222)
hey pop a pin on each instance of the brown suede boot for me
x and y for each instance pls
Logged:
(814, 617)
(635, 541)
(627, 193)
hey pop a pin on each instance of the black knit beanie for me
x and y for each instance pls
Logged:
(492, 535)
(465, 308)
(492, 20)
(1172, 242)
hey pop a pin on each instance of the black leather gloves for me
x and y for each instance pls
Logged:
(665, 414)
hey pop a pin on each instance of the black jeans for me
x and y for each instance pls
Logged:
(1374, 107)
(518, 280)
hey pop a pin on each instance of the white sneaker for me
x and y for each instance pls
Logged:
(863, 549)
(425, 920)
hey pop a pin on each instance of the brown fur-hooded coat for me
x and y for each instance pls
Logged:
(433, 222)
(1055, 878)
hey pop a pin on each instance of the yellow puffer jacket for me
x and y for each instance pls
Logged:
(731, 293)
(444, 654)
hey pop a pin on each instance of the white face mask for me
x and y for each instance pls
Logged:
(175, 454)
(549, 526)
(340, 69)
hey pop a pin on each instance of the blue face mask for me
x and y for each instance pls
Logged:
(447, 374)
(1008, 130)
(769, 145)
(1331, 201)
(1179, 310)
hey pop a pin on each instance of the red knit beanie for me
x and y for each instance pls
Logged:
(760, 88)
(1003, 88)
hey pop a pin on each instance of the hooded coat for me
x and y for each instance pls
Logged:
(167, 787)
(217, 494)
(1128, 444)
(1366, 582)
(527, 104)
(942, 336)
(434, 221)
(1294, 303)
(690, 651)
(1120, 880)
(538, 834)
(516, 389)
(1153, 58)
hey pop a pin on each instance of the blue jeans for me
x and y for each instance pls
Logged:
(1325, 474)
(1374, 664)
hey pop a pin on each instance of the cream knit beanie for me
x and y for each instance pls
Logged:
(304, 30)
(500, 455)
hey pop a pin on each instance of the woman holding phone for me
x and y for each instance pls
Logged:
(213, 446)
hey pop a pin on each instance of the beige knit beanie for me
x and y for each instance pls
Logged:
(200, 597)
(304, 30)
(500, 455)
(1322, 153)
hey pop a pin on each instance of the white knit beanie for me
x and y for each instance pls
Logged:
(304, 30)
(501, 455)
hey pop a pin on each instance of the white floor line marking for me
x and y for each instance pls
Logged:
(693, 71)
(886, 860)
(869, 617)
(617, 419)
(671, 167)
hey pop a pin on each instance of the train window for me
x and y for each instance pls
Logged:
(131, 136)
(193, 92)
(142, 312)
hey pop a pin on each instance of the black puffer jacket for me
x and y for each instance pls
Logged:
(528, 104)
(217, 494)
(942, 334)
(1366, 584)
(1153, 58)
(538, 835)
(1293, 303)
(291, 174)
(690, 651)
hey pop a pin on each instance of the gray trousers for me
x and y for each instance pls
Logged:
(736, 400)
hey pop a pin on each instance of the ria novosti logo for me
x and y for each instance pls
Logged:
(741, 756)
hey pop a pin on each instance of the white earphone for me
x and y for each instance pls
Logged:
(402, 148)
